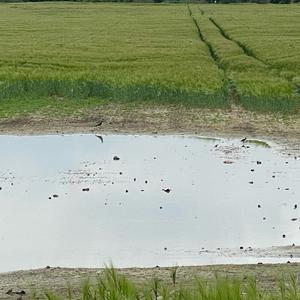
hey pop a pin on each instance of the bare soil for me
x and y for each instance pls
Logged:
(164, 119)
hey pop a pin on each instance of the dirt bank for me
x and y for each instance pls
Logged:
(124, 118)
(57, 279)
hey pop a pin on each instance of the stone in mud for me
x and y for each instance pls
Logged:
(9, 292)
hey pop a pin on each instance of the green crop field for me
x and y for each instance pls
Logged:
(210, 56)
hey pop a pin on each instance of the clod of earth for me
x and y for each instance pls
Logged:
(99, 124)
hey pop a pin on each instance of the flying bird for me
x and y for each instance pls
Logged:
(99, 137)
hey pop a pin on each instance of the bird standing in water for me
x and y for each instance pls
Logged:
(243, 141)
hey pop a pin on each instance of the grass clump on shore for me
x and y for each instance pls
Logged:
(113, 286)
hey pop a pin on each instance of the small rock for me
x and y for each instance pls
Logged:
(9, 292)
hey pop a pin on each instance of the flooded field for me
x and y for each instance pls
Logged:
(83, 200)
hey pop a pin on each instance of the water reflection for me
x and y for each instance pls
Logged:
(65, 201)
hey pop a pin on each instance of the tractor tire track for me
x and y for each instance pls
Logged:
(249, 52)
(229, 88)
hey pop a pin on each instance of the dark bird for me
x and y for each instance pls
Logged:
(99, 137)
(295, 206)
(99, 124)
(167, 190)
(244, 140)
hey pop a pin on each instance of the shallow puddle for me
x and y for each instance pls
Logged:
(69, 201)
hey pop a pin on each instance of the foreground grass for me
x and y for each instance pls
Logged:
(147, 52)
(110, 285)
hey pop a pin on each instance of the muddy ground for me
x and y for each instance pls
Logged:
(118, 118)
(140, 118)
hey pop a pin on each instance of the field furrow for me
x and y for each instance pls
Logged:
(257, 86)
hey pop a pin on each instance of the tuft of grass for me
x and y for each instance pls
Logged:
(113, 286)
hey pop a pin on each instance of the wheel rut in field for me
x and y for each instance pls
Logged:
(229, 87)
(250, 53)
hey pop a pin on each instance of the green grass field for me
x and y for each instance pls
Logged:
(208, 56)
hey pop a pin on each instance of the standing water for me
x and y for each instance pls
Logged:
(80, 201)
